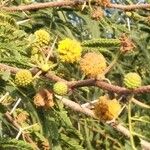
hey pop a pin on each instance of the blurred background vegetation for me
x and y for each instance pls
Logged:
(60, 128)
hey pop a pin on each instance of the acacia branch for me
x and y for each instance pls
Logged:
(4, 67)
(17, 126)
(78, 108)
(88, 82)
(12, 120)
(109, 87)
(36, 6)
(129, 7)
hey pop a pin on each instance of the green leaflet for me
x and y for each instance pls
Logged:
(101, 42)
(7, 144)
(64, 116)
(5, 18)
(53, 129)
(71, 143)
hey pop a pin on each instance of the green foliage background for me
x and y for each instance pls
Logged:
(63, 128)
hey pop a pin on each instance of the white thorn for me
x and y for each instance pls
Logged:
(128, 24)
(3, 97)
(17, 103)
(19, 133)
(25, 128)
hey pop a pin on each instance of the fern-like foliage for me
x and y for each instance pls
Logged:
(71, 143)
(13, 42)
(7, 144)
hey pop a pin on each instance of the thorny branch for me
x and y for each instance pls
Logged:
(78, 108)
(87, 82)
(17, 126)
(75, 106)
(36, 6)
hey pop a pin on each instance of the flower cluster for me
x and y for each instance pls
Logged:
(106, 109)
(42, 39)
(23, 78)
(69, 50)
(93, 64)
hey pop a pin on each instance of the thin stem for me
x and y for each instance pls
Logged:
(139, 135)
(37, 74)
(111, 65)
(31, 126)
(140, 120)
(130, 123)
(137, 102)
(50, 51)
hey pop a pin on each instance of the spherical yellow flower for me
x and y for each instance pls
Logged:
(69, 50)
(42, 37)
(23, 78)
(106, 109)
(93, 64)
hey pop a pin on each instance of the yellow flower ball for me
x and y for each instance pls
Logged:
(132, 80)
(60, 88)
(69, 50)
(42, 37)
(23, 78)
(93, 64)
(106, 109)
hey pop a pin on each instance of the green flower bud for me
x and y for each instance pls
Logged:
(132, 80)
(60, 88)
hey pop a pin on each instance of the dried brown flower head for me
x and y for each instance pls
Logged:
(44, 98)
(106, 109)
(97, 14)
(127, 44)
(45, 145)
(148, 20)
(93, 64)
(104, 3)
(21, 116)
